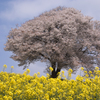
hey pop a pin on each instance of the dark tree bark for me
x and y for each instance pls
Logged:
(55, 73)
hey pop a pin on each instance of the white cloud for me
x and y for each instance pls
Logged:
(28, 9)
(23, 9)
(88, 7)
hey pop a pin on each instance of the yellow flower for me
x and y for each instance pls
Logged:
(96, 77)
(90, 72)
(53, 99)
(92, 75)
(59, 77)
(69, 75)
(48, 75)
(82, 68)
(70, 70)
(46, 96)
(99, 72)
(69, 98)
(28, 70)
(13, 81)
(5, 66)
(62, 72)
(12, 67)
(1, 96)
(87, 81)
(38, 73)
(53, 89)
(1, 99)
(85, 72)
(96, 68)
(82, 95)
(51, 69)
(10, 98)
(35, 75)
(5, 97)
(87, 75)
(58, 73)
(10, 93)
(24, 72)
(62, 75)
(71, 92)
(18, 92)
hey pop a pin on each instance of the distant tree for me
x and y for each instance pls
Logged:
(62, 37)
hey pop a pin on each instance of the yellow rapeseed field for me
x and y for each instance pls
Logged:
(25, 87)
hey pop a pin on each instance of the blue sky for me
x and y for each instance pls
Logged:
(13, 12)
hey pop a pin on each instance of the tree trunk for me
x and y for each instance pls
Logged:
(55, 73)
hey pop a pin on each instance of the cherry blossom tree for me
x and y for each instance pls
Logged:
(62, 37)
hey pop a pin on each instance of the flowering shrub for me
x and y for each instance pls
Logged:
(25, 87)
